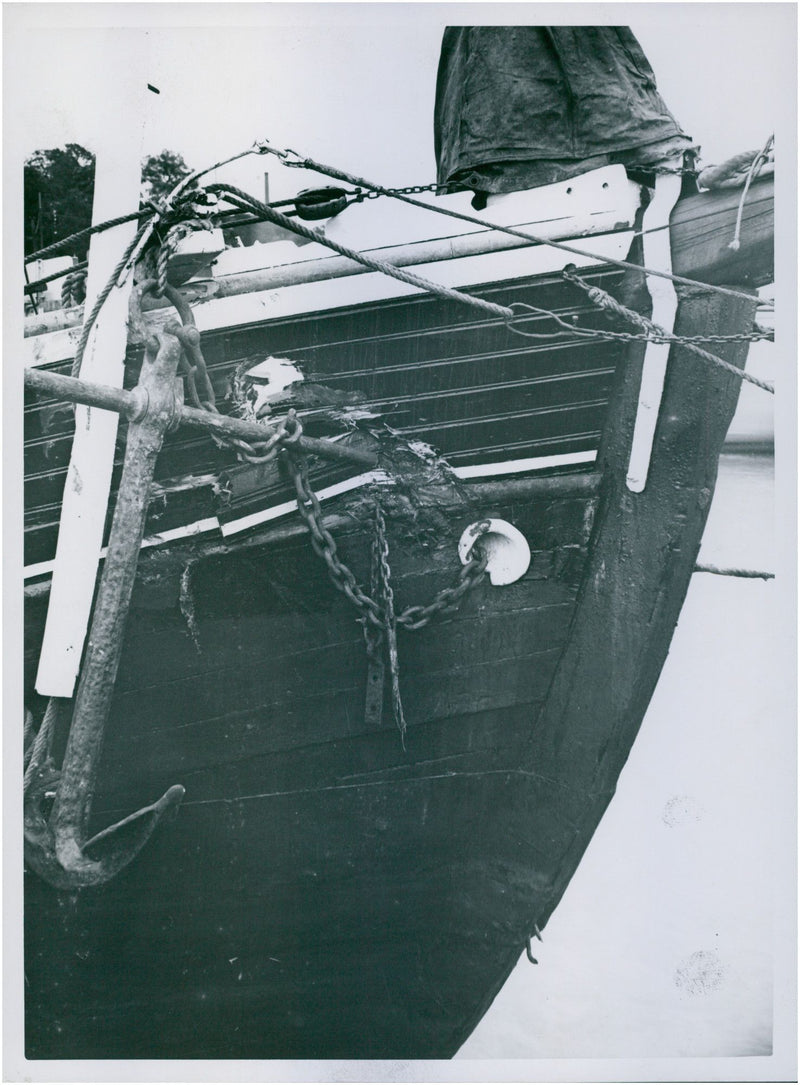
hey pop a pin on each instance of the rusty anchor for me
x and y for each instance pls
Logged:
(58, 846)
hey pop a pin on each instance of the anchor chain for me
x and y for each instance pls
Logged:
(200, 391)
(380, 559)
(445, 601)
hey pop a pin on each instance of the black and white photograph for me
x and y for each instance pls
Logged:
(400, 542)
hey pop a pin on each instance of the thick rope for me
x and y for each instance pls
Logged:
(750, 574)
(246, 202)
(100, 301)
(755, 166)
(66, 242)
(37, 284)
(73, 288)
(42, 744)
(341, 175)
(604, 301)
(170, 243)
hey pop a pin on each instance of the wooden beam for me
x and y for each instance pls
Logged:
(88, 482)
(702, 229)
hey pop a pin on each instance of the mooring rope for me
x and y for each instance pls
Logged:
(653, 332)
(100, 301)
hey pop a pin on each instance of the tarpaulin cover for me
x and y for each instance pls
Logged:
(524, 105)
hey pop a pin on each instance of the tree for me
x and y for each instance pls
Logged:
(58, 188)
(161, 173)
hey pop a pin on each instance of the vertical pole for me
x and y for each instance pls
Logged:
(88, 482)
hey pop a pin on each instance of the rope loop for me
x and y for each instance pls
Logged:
(73, 288)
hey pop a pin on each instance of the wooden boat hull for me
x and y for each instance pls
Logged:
(326, 891)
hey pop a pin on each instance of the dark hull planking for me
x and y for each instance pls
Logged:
(322, 892)
(423, 366)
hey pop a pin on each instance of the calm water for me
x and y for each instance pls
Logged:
(662, 944)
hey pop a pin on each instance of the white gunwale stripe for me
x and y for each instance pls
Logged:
(275, 512)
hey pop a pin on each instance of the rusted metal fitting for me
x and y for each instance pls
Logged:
(139, 401)
(58, 846)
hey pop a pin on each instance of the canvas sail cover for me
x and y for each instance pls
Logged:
(518, 106)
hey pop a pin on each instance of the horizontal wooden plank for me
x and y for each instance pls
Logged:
(702, 227)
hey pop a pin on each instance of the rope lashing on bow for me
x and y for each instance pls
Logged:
(172, 202)
(174, 236)
(293, 159)
(652, 331)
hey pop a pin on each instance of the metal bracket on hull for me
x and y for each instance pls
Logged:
(657, 255)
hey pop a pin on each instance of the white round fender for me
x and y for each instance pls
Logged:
(507, 549)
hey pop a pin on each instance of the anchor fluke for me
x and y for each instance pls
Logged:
(65, 864)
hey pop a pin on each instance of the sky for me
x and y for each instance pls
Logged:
(351, 85)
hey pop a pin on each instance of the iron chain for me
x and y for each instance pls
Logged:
(384, 577)
(200, 391)
(410, 190)
(445, 601)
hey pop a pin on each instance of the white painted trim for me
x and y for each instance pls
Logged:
(657, 254)
(234, 527)
(199, 527)
(515, 467)
(88, 480)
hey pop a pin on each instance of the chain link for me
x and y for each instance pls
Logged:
(410, 190)
(445, 601)
(384, 577)
(192, 366)
(325, 546)
(654, 333)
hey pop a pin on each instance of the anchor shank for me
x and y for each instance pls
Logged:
(130, 404)
(72, 807)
